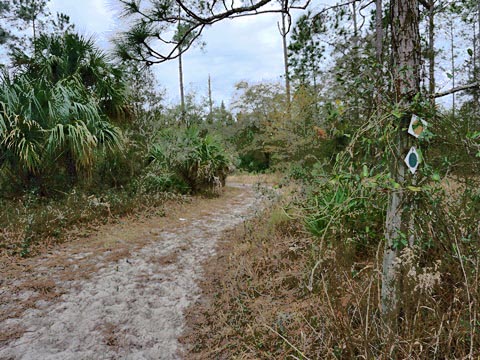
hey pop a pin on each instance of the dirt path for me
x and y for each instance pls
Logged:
(123, 301)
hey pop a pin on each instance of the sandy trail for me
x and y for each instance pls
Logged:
(130, 308)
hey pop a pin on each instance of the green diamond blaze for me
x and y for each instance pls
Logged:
(412, 160)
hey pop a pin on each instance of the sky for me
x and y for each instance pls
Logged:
(245, 49)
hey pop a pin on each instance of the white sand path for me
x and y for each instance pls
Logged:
(132, 308)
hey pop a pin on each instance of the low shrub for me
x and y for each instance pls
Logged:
(30, 223)
(198, 160)
(164, 182)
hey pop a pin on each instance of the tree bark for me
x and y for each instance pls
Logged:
(284, 33)
(406, 62)
(431, 49)
(180, 74)
(474, 63)
(476, 58)
(182, 94)
(356, 113)
(452, 54)
(379, 31)
(379, 50)
(210, 101)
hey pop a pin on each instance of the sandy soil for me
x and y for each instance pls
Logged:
(121, 301)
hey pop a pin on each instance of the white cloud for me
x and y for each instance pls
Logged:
(91, 17)
(240, 49)
(247, 48)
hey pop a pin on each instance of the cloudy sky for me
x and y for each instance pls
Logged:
(249, 49)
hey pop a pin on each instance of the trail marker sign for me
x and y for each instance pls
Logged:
(412, 160)
(417, 126)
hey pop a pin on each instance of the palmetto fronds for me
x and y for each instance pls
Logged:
(198, 160)
(54, 111)
(19, 141)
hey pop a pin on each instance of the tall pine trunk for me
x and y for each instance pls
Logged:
(476, 59)
(406, 62)
(431, 50)
(284, 33)
(356, 113)
(452, 62)
(182, 94)
(379, 51)
(379, 32)
(210, 100)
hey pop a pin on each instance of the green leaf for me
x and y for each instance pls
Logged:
(414, 188)
(474, 135)
(470, 52)
(420, 155)
(397, 113)
(365, 171)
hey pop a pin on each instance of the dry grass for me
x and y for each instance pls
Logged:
(273, 292)
(11, 333)
(112, 335)
(252, 285)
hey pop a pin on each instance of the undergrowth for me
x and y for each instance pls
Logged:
(30, 223)
(279, 293)
(304, 280)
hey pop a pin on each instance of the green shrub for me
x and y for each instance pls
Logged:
(347, 207)
(164, 182)
(199, 161)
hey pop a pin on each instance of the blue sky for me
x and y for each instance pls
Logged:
(248, 49)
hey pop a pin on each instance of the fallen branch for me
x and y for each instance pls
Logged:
(457, 89)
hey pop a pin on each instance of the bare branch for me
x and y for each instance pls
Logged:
(336, 6)
(425, 4)
(223, 15)
(457, 89)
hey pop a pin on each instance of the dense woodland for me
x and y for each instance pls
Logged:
(388, 264)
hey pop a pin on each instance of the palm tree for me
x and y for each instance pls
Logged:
(59, 108)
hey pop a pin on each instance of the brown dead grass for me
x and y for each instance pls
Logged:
(273, 292)
(167, 259)
(11, 333)
(41, 286)
(253, 284)
(112, 335)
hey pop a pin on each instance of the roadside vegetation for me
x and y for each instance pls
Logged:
(304, 279)
(85, 139)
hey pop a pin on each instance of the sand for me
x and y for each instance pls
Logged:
(133, 307)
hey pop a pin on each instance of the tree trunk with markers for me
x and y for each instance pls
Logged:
(406, 63)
